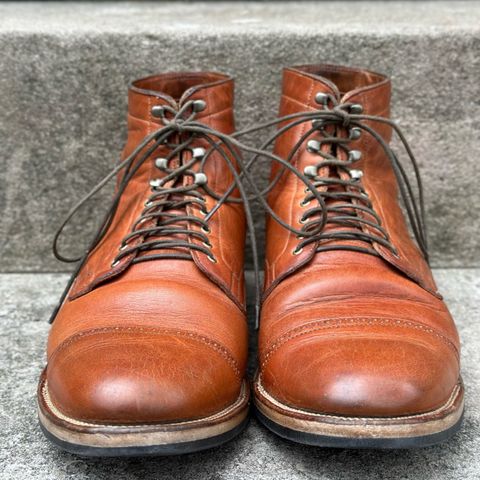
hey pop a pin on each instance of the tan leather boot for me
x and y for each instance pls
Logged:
(356, 348)
(148, 350)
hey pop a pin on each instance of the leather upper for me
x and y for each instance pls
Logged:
(345, 332)
(160, 340)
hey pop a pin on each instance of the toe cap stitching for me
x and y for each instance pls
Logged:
(361, 322)
(217, 347)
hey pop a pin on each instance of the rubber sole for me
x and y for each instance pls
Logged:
(97, 440)
(332, 431)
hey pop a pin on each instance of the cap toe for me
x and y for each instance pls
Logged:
(141, 375)
(383, 371)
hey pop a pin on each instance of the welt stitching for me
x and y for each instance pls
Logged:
(326, 324)
(156, 331)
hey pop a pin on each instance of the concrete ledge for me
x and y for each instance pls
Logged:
(27, 300)
(64, 69)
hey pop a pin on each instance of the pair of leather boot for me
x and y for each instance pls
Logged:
(148, 349)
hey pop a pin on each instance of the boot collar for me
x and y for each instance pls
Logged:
(371, 90)
(175, 88)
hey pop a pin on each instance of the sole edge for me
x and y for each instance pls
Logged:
(363, 433)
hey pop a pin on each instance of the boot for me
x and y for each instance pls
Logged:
(356, 347)
(148, 349)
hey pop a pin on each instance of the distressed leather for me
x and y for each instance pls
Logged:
(161, 340)
(344, 332)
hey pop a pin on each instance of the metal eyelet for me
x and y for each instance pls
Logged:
(313, 146)
(310, 171)
(198, 152)
(205, 229)
(123, 247)
(212, 258)
(354, 155)
(200, 179)
(115, 263)
(321, 98)
(199, 105)
(356, 109)
(356, 174)
(155, 183)
(304, 203)
(148, 204)
(157, 111)
(161, 163)
(355, 133)
(207, 244)
(297, 251)
(303, 221)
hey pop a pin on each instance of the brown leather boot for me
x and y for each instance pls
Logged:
(356, 348)
(148, 350)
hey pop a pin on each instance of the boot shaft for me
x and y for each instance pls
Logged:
(342, 91)
(156, 103)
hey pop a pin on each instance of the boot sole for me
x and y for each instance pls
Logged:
(333, 431)
(97, 440)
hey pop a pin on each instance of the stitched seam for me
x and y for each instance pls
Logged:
(445, 406)
(80, 422)
(291, 212)
(328, 324)
(156, 331)
(294, 100)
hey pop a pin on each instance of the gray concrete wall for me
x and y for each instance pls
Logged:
(64, 69)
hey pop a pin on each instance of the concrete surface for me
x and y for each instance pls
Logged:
(25, 303)
(64, 69)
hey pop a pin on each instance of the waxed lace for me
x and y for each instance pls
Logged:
(166, 206)
(344, 202)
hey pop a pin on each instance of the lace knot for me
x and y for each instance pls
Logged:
(344, 116)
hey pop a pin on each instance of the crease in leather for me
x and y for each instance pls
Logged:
(212, 344)
(334, 323)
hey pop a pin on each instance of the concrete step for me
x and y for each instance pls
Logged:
(64, 70)
(26, 301)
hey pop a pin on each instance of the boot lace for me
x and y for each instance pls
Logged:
(165, 213)
(342, 205)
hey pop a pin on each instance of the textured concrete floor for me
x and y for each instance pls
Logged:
(25, 303)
